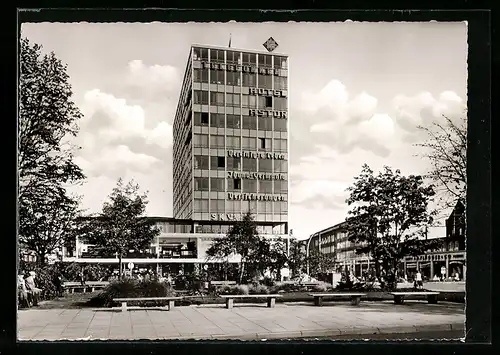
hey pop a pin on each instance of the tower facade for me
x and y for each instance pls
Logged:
(230, 149)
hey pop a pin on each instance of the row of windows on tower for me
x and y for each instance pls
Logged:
(204, 162)
(219, 55)
(221, 206)
(240, 185)
(236, 142)
(201, 97)
(240, 79)
(220, 120)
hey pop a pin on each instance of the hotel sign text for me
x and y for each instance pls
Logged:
(268, 113)
(258, 197)
(243, 68)
(255, 155)
(255, 176)
(267, 92)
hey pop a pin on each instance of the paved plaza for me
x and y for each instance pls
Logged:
(245, 321)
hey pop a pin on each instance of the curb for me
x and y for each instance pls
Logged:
(337, 332)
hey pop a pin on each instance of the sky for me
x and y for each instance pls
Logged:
(357, 93)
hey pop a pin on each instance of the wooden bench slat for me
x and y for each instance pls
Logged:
(251, 296)
(145, 299)
(336, 294)
(421, 293)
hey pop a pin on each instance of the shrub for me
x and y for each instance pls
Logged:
(92, 272)
(267, 281)
(258, 289)
(322, 287)
(233, 290)
(131, 288)
(44, 278)
(284, 287)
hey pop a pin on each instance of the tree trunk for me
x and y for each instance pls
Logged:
(40, 259)
(242, 269)
(119, 266)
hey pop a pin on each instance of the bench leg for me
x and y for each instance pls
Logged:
(171, 304)
(318, 301)
(72, 290)
(355, 300)
(432, 299)
(229, 303)
(124, 306)
(92, 289)
(271, 302)
(399, 299)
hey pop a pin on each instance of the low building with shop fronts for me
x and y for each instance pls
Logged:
(450, 258)
(180, 247)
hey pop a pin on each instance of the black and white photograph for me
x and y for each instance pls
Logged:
(242, 181)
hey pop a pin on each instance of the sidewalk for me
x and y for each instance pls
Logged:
(245, 321)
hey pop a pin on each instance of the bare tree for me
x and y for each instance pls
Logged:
(447, 151)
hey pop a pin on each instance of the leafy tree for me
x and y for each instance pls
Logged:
(388, 217)
(296, 258)
(121, 225)
(447, 151)
(277, 257)
(242, 239)
(320, 262)
(47, 118)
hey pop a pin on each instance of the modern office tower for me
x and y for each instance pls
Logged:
(230, 150)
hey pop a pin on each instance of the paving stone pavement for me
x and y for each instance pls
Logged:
(245, 321)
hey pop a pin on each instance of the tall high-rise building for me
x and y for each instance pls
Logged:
(230, 150)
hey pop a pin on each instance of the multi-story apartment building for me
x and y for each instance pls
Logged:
(451, 255)
(230, 156)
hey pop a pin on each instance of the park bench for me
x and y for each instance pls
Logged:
(222, 283)
(125, 301)
(318, 297)
(70, 287)
(271, 299)
(432, 296)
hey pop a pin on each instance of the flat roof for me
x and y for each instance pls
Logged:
(239, 49)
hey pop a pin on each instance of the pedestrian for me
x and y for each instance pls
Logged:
(24, 300)
(419, 279)
(31, 286)
(81, 275)
(57, 281)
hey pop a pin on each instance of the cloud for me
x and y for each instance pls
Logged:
(114, 137)
(347, 123)
(424, 109)
(155, 78)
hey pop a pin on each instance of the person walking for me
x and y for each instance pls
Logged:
(57, 281)
(419, 279)
(81, 275)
